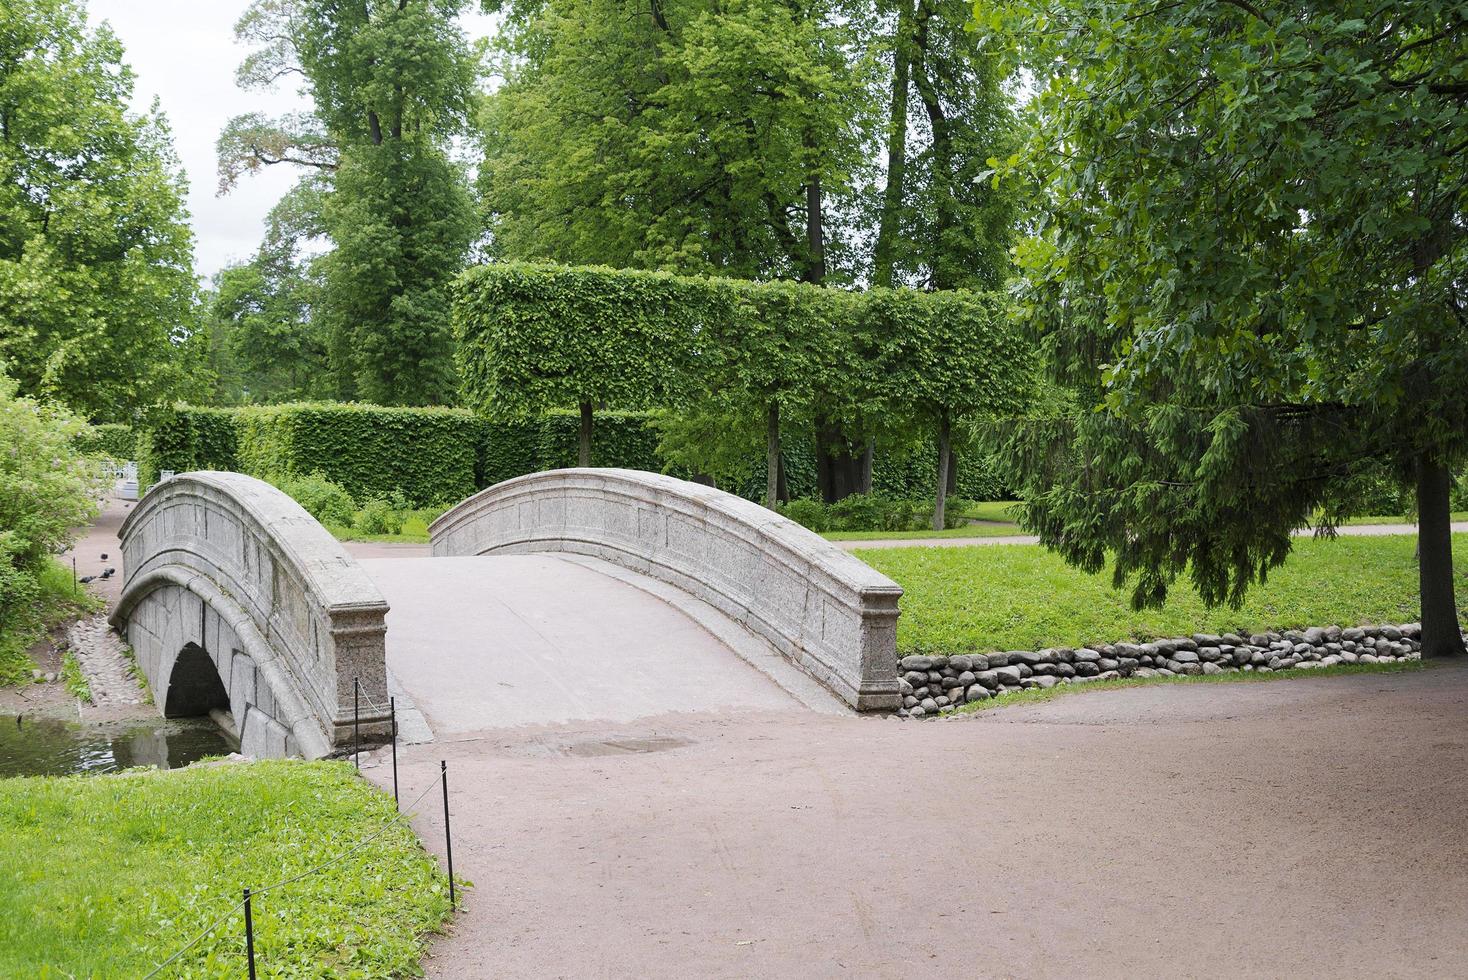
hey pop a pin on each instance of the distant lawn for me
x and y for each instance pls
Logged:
(106, 876)
(967, 531)
(1004, 511)
(1022, 597)
(415, 528)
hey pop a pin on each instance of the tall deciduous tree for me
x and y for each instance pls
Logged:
(96, 265)
(727, 139)
(1252, 270)
(391, 82)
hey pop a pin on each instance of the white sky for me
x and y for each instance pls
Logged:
(184, 53)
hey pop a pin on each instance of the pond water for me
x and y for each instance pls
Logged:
(38, 746)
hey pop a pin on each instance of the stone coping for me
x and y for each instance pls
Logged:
(821, 607)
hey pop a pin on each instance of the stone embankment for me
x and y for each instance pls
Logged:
(933, 685)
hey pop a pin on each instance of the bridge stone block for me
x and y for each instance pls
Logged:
(822, 608)
(230, 564)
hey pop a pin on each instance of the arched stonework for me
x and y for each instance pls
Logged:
(228, 565)
(822, 608)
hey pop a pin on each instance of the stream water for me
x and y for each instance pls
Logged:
(40, 746)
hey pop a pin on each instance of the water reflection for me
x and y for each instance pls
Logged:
(32, 746)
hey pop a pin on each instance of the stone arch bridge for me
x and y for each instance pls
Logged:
(555, 596)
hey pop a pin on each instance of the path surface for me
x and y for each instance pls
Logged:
(523, 639)
(1316, 827)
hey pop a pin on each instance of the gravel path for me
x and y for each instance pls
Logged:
(1314, 827)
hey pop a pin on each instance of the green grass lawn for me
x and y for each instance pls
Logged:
(57, 602)
(415, 528)
(967, 531)
(1022, 597)
(106, 876)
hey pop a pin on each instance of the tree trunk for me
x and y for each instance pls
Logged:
(884, 255)
(1441, 636)
(943, 275)
(945, 459)
(952, 471)
(815, 232)
(772, 455)
(782, 487)
(866, 465)
(583, 457)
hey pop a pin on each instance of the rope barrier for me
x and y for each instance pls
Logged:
(257, 892)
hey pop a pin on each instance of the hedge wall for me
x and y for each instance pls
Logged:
(186, 438)
(112, 439)
(442, 455)
(429, 454)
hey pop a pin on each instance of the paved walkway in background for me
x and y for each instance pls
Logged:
(1357, 530)
(1313, 827)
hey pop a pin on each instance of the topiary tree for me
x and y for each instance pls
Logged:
(534, 338)
(945, 360)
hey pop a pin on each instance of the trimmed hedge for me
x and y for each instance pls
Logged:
(427, 454)
(436, 456)
(112, 439)
(185, 438)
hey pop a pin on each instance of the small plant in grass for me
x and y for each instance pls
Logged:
(73, 678)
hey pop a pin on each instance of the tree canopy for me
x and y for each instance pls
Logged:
(1249, 273)
(391, 84)
(96, 268)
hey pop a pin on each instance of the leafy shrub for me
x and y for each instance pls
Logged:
(183, 439)
(808, 513)
(379, 516)
(111, 439)
(328, 502)
(866, 512)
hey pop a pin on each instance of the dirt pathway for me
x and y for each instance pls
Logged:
(1315, 827)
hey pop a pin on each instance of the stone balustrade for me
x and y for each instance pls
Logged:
(820, 607)
(224, 569)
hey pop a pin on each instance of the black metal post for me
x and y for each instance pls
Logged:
(356, 724)
(392, 710)
(448, 840)
(76, 588)
(249, 935)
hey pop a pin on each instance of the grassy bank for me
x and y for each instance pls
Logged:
(1022, 597)
(107, 876)
(414, 529)
(55, 603)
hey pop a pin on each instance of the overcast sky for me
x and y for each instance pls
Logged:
(185, 54)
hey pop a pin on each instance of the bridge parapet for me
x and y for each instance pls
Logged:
(822, 608)
(226, 565)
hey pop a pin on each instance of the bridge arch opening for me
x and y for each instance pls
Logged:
(194, 685)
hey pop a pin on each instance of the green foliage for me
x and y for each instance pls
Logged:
(111, 439)
(427, 454)
(96, 277)
(328, 502)
(865, 512)
(1023, 597)
(685, 138)
(379, 516)
(73, 679)
(538, 338)
(1247, 269)
(265, 341)
(47, 487)
(185, 438)
(32, 602)
(391, 85)
(74, 908)
(535, 338)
